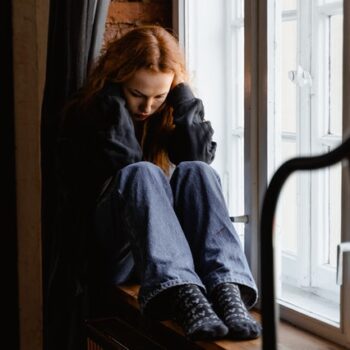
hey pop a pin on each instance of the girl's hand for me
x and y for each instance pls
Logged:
(178, 79)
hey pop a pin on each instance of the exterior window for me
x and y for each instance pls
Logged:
(306, 111)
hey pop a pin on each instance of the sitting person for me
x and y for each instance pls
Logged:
(134, 154)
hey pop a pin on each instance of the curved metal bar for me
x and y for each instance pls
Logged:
(268, 302)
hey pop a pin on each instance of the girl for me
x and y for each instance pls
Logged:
(133, 154)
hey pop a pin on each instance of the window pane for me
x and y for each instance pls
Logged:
(288, 202)
(289, 63)
(235, 164)
(334, 213)
(336, 72)
(327, 2)
(289, 5)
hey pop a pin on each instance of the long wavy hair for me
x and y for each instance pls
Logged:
(150, 47)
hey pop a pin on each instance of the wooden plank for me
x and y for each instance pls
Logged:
(30, 26)
(129, 295)
(290, 337)
(114, 333)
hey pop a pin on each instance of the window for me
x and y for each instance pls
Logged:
(266, 107)
(306, 112)
(218, 79)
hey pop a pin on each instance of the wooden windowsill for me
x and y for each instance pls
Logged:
(164, 332)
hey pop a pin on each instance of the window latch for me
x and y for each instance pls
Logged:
(341, 249)
(242, 219)
(300, 77)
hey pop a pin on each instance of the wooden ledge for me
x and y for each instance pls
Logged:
(129, 330)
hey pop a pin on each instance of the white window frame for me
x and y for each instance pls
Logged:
(297, 316)
(234, 92)
(322, 275)
(310, 137)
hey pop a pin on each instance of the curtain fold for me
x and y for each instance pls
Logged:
(101, 11)
(75, 37)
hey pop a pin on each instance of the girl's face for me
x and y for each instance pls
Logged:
(145, 92)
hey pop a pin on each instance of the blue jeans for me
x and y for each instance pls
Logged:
(170, 233)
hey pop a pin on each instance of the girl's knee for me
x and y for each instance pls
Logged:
(142, 168)
(194, 166)
(141, 172)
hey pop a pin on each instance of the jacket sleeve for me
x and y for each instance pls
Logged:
(97, 142)
(115, 141)
(191, 138)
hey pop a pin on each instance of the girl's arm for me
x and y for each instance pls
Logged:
(192, 137)
(99, 140)
(116, 142)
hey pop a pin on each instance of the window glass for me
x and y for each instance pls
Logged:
(289, 63)
(288, 222)
(336, 74)
(289, 5)
(334, 214)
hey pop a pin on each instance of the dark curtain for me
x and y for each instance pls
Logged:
(75, 36)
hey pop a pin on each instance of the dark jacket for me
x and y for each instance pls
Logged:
(93, 145)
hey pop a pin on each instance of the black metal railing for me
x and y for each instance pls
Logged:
(268, 299)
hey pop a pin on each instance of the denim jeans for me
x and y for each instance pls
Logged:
(170, 232)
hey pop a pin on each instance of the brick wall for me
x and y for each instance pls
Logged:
(126, 14)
